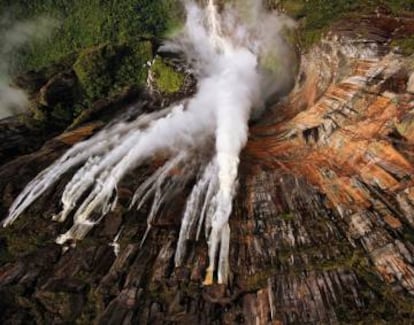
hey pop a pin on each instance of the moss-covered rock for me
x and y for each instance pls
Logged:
(166, 79)
(93, 69)
(133, 67)
(106, 68)
(31, 81)
(61, 89)
(60, 92)
(405, 45)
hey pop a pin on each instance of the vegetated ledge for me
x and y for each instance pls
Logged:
(97, 51)
(98, 82)
(315, 18)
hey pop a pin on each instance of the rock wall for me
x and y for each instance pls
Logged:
(322, 227)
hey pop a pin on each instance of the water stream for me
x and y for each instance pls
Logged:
(226, 52)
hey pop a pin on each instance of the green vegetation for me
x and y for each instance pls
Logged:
(111, 67)
(132, 68)
(317, 15)
(91, 68)
(87, 23)
(103, 45)
(106, 44)
(167, 80)
(405, 45)
(287, 216)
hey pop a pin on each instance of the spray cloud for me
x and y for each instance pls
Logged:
(13, 37)
(202, 137)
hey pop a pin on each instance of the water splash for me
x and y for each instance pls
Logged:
(202, 137)
(14, 37)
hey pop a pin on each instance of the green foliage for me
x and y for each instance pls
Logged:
(86, 23)
(405, 45)
(167, 79)
(101, 40)
(287, 216)
(108, 67)
(397, 6)
(317, 15)
(132, 69)
(93, 69)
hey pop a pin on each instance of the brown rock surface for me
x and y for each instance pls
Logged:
(322, 227)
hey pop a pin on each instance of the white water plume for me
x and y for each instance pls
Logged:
(202, 137)
(13, 37)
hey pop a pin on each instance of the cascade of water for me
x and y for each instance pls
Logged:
(225, 61)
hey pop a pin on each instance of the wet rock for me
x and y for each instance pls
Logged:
(112, 223)
(62, 304)
(61, 89)
(163, 264)
(64, 285)
(120, 310)
(31, 81)
(10, 273)
(102, 109)
(18, 138)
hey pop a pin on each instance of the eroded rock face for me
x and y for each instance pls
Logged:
(410, 84)
(322, 227)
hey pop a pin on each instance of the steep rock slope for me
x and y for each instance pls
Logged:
(322, 227)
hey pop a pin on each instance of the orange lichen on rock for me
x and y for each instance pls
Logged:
(79, 134)
(342, 143)
(393, 222)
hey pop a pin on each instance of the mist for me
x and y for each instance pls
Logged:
(14, 36)
(238, 56)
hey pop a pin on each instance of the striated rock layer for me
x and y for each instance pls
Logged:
(322, 227)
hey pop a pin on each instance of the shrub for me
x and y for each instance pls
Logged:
(167, 80)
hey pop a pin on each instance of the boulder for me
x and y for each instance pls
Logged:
(61, 89)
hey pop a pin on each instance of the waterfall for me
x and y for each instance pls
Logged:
(225, 52)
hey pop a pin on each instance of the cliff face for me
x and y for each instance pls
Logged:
(322, 227)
